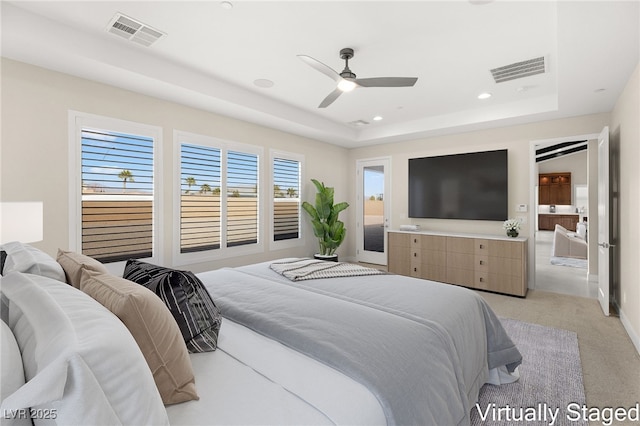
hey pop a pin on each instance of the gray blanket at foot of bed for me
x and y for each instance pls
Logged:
(423, 348)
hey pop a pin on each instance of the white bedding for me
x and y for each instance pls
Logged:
(251, 379)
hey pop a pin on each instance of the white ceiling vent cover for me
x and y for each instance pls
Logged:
(133, 30)
(519, 70)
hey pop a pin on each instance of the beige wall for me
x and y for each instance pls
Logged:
(516, 139)
(35, 147)
(625, 132)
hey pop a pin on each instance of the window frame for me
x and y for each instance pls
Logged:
(79, 121)
(224, 252)
(292, 242)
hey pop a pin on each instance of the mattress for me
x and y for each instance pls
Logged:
(251, 379)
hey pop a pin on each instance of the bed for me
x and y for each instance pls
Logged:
(358, 349)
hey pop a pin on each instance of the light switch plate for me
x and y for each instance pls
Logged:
(521, 208)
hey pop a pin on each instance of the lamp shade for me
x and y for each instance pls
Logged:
(20, 221)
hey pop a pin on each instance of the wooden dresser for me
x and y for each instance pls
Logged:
(482, 262)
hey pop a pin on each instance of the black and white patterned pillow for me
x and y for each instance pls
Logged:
(186, 297)
(3, 257)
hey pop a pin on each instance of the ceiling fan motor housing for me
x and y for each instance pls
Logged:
(346, 54)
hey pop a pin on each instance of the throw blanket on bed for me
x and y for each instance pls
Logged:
(422, 348)
(309, 269)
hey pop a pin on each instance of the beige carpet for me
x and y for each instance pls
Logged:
(610, 362)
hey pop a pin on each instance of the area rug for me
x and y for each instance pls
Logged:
(550, 389)
(569, 261)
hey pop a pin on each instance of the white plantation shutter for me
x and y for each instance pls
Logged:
(117, 195)
(219, 198)
(200, 214)
(242, 198)
(286, 199)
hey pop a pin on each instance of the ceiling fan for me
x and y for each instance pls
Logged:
(347, 80)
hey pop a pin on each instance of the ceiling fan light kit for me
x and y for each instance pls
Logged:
(346, 85)
(346, 80)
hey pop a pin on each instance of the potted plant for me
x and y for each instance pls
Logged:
(512, 226)
(329, 230)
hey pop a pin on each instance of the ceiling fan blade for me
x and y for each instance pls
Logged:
(330, 98)
(324, 69)
(386, 81)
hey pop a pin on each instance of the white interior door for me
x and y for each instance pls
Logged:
(603, 220)
(372, 210)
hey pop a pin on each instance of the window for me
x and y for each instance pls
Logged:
(285, 208)
(286, 199)
(199, 198)
(219, 203)
(115, 196)
(242, 198)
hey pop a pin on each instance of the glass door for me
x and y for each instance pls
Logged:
(372, 211)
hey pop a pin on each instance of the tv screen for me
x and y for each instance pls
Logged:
(462, 186)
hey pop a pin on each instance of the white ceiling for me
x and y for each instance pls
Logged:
(212, 55)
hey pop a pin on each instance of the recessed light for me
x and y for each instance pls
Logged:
(485, 95)
(263, 82)
(226, 5)
(377, 118)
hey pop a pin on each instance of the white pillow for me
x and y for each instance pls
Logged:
(12, 375)
(26, 258)
(80, 361)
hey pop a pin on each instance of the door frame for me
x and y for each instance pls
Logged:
(361, 255)
(533, 183)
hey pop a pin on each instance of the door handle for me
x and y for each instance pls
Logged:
(606, 245)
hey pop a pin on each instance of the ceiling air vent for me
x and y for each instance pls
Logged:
(133, 30)
(358, 123)
(519, 70)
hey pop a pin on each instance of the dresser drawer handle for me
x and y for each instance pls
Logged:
(482, 262)
(415, 269)
(415, 240)
(481, 279)
(481, 246)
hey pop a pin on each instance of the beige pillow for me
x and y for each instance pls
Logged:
(152, 327)
(72, 264)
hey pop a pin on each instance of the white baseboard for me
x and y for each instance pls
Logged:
(630, 331)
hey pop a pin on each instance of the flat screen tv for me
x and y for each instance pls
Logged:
(461, 186)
